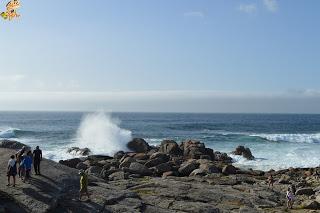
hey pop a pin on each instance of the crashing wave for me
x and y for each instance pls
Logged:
(9, 133)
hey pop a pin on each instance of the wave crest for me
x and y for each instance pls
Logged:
(9, 133)
(293, 138)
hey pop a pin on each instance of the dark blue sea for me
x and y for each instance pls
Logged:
(276, 140)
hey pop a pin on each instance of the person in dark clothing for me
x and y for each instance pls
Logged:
(37, 157)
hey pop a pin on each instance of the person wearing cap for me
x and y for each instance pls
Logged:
(83, 184)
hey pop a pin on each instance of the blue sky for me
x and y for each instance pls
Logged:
(141, 55)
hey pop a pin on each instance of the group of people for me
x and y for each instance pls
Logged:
(290, 192)
(21, 164)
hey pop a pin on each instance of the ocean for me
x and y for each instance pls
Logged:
(277, 141)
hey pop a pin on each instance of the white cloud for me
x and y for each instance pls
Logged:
(248, 8)
(197, 14)
(271, 5)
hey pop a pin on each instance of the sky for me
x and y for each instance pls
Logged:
(162, 56)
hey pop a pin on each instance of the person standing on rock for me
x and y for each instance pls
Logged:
(27, 163)
(37, 157)
(83, 184)
(270, 181)
(12, 170)
(19, 157)
(290, 198)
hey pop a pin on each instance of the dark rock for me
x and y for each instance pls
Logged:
(187, 167)
(138, 145)
(170, 147)
(163, 167)
(10, 144)
(223, 157)
(305, 191)
(118, 155)
(70, 162)
(209, 152)
(210, 168)
(94, 170)
(156, 159)
(229, 170)
(78, 151)
(82, 166)
(245, 152)
(137, 168)
(163, 156)
(98, 158)
(311, 204)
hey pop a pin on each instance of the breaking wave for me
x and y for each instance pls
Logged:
(293, 138)
(101, 134)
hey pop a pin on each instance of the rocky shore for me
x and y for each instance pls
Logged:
(185, 177)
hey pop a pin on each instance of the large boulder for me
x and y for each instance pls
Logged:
(138, 145)
(138, 168)
(156, 159)
(78, 151)
(126, 162)
(305, 191)
(162, 168)
(245, 152)
(71, 162)
(229, 170)
(193, 149)
(10, 144)
(170, 147)
(187, 167)
(210, 168)
(223, 157)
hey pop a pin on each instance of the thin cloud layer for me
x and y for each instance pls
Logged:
(304, 101)
(196, 14)
(248, 8)
(271, 5)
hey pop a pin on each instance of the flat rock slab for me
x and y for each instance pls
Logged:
(42, 192)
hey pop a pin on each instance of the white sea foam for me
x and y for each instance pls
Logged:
(294, 138)
(101, 134)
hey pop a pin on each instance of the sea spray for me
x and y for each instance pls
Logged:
(101, 133)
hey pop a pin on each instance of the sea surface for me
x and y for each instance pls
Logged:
(276, 140)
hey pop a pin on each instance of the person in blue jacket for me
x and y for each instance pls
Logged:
(27, 164)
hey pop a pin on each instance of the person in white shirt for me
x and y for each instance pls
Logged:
(12, 170)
